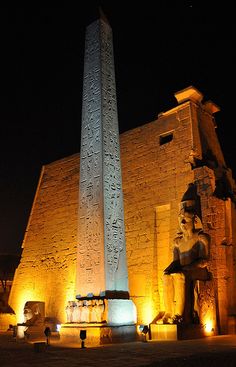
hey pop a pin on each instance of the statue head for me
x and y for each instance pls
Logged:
(28, 313)
(33, 312)
(188, 219)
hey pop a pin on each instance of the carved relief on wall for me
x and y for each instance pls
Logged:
(101, 228)
(114, 212)
(91, 163)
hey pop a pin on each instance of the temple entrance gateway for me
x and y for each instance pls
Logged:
(106, 265)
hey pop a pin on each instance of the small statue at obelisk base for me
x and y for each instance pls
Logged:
(189, 265)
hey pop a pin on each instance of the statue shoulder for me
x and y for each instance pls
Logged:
(204, 237)
(177, 240)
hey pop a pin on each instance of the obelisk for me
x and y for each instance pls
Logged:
(101, 263)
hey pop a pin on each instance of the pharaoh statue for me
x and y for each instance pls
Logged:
(93, 315)
(97, 314)
(34, 316)
(33, 313)
(189, 266)
(69, 311)
(77, 312)
(85, 311)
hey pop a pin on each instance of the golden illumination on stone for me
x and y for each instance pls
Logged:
(209, 326)
(147, 313)
(20, 301)
(163, 332)
(154, 179)
(189, 93)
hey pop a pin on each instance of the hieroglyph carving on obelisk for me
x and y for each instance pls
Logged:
(101, 262)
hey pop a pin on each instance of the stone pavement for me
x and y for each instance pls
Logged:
(211, 351)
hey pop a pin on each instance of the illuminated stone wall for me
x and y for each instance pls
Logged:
(159, 160)
(219, 295)
(155, 177)
(47, 269)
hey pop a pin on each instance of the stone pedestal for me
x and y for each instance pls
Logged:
(177, 332)
(120, 312)
(119, 325)
(97, 334)
(31, 333)
(163, 332)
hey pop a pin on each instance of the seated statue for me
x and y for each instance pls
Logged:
(190, 256)
(34, 316)
(33, 313)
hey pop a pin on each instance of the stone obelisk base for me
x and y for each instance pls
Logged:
(97, 334)
(120, 326)
(120, 312)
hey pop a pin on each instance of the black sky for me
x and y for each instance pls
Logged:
(160, 47)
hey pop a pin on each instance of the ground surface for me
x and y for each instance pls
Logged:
(211, 352)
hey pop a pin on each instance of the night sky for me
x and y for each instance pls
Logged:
(160, 47)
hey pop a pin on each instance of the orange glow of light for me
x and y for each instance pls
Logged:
(69, 296)
(146, 313)
(209, 322)
(20, 299)
(209, 326)
(139, 329)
